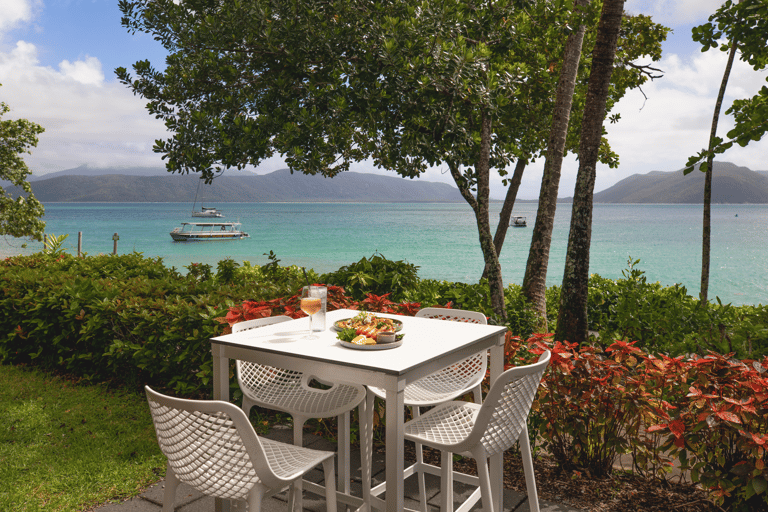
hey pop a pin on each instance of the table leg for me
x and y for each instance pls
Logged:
(497, 461)
(220, 392)
(395, 449)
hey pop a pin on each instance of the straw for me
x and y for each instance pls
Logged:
(305, 276)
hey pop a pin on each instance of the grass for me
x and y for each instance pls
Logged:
(68, 447)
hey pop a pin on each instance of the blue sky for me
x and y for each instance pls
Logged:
(57, 61)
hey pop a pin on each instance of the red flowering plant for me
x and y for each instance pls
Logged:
(720, 430)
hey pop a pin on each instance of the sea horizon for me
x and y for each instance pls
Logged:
(440, 238)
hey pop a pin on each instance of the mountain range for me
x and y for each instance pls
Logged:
(85, 184)
(730, 184)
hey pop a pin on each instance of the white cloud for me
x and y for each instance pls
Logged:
(14, 12)
(660, 133)
(86, 72)
(674, 12)
(86, 120)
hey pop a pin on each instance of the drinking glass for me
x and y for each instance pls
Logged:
(310, 305)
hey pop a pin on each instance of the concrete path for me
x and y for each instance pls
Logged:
(189, 500)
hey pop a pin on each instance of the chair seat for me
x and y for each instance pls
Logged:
(445, 426)
(299, 398)
(289, 461)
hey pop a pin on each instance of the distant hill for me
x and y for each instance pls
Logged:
(731, 184)
(278, 186)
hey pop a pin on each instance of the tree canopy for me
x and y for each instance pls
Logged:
(408, 85)
(20, 216)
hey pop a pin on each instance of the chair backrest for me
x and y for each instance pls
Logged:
(259, 322)
(454, 315)
(504, 412)
(267, 379)
(210, 445)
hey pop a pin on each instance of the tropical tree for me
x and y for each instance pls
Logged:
(19, 216)
(408, 85)
(745, 25)
(572, 320)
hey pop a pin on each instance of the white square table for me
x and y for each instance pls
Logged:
(428, 346)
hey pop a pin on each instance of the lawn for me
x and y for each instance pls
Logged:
(66, 446)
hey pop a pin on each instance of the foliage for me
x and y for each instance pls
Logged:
(54, 244)
(668, 320)
(745, 24)
(708, 413)
(376, 275)
(19, 217)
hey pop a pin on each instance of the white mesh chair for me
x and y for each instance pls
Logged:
(212, 446)
(444, 385)
(290, 392)
(482, 431)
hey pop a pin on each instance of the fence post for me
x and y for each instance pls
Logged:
(115, 238)
(45, 242)
(79, 243)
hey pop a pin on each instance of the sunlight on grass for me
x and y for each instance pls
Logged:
(66, 447)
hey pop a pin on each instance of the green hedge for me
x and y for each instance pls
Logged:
(132, 320)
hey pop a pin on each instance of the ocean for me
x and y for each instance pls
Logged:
(441, 239)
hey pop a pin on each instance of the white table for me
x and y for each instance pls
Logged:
(428, 346)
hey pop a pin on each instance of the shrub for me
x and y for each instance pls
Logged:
(376, 275)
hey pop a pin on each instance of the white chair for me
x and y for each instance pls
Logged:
(447, 384)
(212, 446)
(482, 431)
(290, 392)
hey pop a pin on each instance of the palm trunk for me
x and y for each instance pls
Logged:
(535, 280)
(506, 209)
(572, 320)
(707, 222)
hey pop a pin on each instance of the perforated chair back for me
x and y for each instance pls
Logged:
(211, 446)
(505, 410)
(454, 315)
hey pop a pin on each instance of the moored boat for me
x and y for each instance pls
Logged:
(207, 231)
(208, 212)
(518, 222)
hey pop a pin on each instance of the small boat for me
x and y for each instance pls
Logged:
(206, 231)
(518, 222)
(208, 212)
(205, 211)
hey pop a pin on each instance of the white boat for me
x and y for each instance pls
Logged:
(207, 231)
(208, 212)
(518, 222)
(205, 211)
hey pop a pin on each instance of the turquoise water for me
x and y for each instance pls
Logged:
(440, 238)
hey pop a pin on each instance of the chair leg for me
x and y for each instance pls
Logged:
(330, 487)
(477, 394)
(171, 483)
(247, 405)
(255, 497)
(366, 445)
(342, 434)
(530, 477)
(419, 468)
(298, 440)
(446, 481)
(485, 484)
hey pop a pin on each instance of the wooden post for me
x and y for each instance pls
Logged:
(79, 243)
(115, 238)
(45, 242)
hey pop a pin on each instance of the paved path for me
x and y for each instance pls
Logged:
(189, 500)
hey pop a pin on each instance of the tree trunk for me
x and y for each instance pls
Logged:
(707, 222)
(480, 207)
(572, 315)
(535, 280)
(506, 209)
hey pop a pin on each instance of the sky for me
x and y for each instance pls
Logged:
(57, 62)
